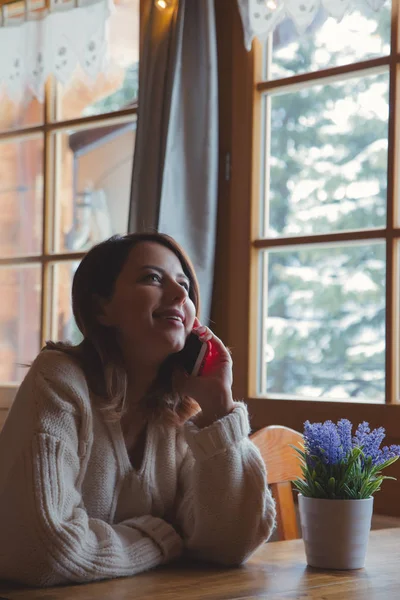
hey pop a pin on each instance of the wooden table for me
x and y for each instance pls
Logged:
(276, 571)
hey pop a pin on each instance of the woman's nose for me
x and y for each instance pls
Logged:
(178, 293)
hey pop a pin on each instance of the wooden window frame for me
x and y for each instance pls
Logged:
(235, 310)
(51, 163)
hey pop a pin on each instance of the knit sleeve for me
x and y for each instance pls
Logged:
(226, 509)
(47, 537)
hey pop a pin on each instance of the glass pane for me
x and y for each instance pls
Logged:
(19, 319)
(19, 107)
(117, 88)
(23, 114)
(362, 34)
(327, 168)
(92, 195)
(21, 197)
(63, 326)
(324, 318)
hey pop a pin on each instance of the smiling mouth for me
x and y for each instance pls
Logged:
(171, 318)
(177, 319)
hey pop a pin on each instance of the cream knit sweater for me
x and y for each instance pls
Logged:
(73, 509)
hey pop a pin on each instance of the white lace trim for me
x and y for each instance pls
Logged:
(54, 44)
(260, 17)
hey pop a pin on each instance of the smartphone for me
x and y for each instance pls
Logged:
(193, 355)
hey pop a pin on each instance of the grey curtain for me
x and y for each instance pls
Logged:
(175, 168)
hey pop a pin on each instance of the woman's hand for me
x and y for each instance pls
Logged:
(213, 389)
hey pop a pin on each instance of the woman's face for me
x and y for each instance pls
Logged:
(150, 307)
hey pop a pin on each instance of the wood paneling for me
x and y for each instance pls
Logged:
(293, 413)
(220, 309)
(232, 274)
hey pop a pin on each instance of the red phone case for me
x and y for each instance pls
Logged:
(209, 360)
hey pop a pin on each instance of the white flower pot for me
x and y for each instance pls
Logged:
(335, 532)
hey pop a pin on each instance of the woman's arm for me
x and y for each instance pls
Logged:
(226, 510)
(47, 537)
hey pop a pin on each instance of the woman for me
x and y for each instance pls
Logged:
(113, 461)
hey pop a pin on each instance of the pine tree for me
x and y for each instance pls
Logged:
(326, 305)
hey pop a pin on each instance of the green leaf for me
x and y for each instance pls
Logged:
(302, 488)
(350, 493)
(321, 490)
(386, 464)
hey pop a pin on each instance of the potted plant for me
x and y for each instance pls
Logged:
(341, 473)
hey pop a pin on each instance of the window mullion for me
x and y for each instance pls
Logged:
(48, 189)
(392, 331)
(256, 320)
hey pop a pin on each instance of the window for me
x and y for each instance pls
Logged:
(309, 292)
(283, 267)
(326, 239)
(65, 170)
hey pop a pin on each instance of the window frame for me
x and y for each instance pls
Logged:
(46, 259)
(235, 308)
(235, 299)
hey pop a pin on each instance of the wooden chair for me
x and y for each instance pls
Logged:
(283, 466)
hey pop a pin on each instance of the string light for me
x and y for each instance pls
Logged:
(162, 4)
(272, 4)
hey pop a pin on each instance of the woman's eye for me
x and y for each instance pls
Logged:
(185, 285)
(153, 277)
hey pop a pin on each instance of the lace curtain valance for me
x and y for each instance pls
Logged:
(51, 38)
(261, 17)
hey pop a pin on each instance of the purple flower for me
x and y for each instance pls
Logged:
(361, 434)
(344, 430)
(340, 465)
(386, 453)
(333, 444)
(323, 442)
(313, 442)
(372, 442)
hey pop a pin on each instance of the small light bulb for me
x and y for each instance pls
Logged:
(162, 4)
(272, 4)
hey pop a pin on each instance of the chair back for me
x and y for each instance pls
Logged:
(283, 465)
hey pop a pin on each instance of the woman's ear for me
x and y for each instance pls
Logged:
(103, 311)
